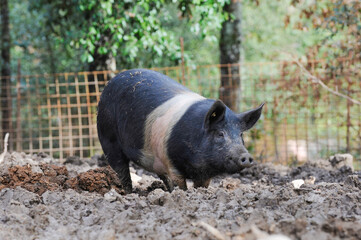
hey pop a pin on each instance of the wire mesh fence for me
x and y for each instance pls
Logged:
(56, 113)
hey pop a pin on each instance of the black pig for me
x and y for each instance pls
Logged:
(148, 118)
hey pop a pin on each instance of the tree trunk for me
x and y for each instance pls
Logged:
(99, 63)
(51, 57)
(102, 62)
(230, 48)
(5, 69)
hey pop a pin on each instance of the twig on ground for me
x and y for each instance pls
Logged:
(2, 156)
(215, 232)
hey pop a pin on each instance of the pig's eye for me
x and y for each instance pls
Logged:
(220, 134)
(242, 138)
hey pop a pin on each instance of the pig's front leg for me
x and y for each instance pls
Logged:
(170, 182)
(201, 183)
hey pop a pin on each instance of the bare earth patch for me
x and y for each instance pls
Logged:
(41, 198)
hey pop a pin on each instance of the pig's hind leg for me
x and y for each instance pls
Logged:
(167, 182)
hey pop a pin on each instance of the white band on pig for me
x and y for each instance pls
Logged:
(158, 128)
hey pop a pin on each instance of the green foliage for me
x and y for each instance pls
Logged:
(269, 34)
(125, 30)
(200, 32)
(35, 44)
(76, 35)
(337, 22)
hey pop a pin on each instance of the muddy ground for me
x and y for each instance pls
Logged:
(41, 198)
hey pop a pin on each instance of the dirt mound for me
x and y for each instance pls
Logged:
(51, 179)
(99, 180)
(54, 177)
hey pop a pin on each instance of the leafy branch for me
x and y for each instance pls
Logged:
(323, 85)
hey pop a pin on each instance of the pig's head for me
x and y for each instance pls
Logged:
(223, 139)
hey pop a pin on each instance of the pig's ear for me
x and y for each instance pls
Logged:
(215, 114)
(249, 118)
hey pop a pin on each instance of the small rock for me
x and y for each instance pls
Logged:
(353, 180)
(75, 160)
(232, 204)
(297, 183)
(339, 160)
(93, 160)
(112, 195)
(156, 197)
(230, 183)
(142, 203)
(135, 178)
(222, 196)
(314, 198)
(310, 180)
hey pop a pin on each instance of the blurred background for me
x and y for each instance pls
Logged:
(301, 57)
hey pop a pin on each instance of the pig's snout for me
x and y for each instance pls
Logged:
(246, 160)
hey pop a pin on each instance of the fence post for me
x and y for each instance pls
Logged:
(348, 118)
(18, 105)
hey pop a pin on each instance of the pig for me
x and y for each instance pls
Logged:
(149, 119)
